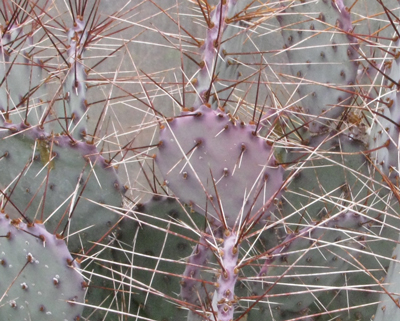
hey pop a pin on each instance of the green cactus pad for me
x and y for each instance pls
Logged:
(389, 306)
(384, 131)
(20, 77)
(151, 222)
(136, 260)
(308, 262)
(329, 164)
(72, 192)
(39, 278)
(322, 55)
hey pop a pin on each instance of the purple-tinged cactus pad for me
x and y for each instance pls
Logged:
(322, 54)
(224, 170)
(39, 278)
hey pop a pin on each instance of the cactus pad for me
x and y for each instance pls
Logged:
(384, 132)
(309, 261)
(61, 190)
(222, 169)
(322, 54)
(39, 278)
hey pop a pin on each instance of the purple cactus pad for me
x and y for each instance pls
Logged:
(222, 169)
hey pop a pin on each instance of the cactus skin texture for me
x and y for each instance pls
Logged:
(92, 184)
(389, 308)
(383, 138)
(155, 270)
(292, 215)
(329, 62)
(228, 172)
(39, 278)
(50, 171)
(61, 175)
(15, 70)
(315, 257)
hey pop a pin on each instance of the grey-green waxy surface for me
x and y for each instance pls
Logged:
(322, 53)
(389, 306)
(20, 78)
(308, 262)
(146, 262)
(384, 131)
(63, 192)
(39, 278)
(332, 165)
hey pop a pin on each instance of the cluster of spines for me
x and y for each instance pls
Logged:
(210, 81)
(75, 82)
(223, 36)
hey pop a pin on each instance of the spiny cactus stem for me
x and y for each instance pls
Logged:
(227, 280)
(195, 263)
(211, 47)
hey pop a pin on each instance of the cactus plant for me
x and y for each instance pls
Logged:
(260, 183)
(40, 279)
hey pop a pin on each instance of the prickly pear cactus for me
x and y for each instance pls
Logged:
(51, 171)
(39, 278)
(47, 172)
(322, 53)
(328, 176)
(220, 167)
(42, 192)
(272, 194)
